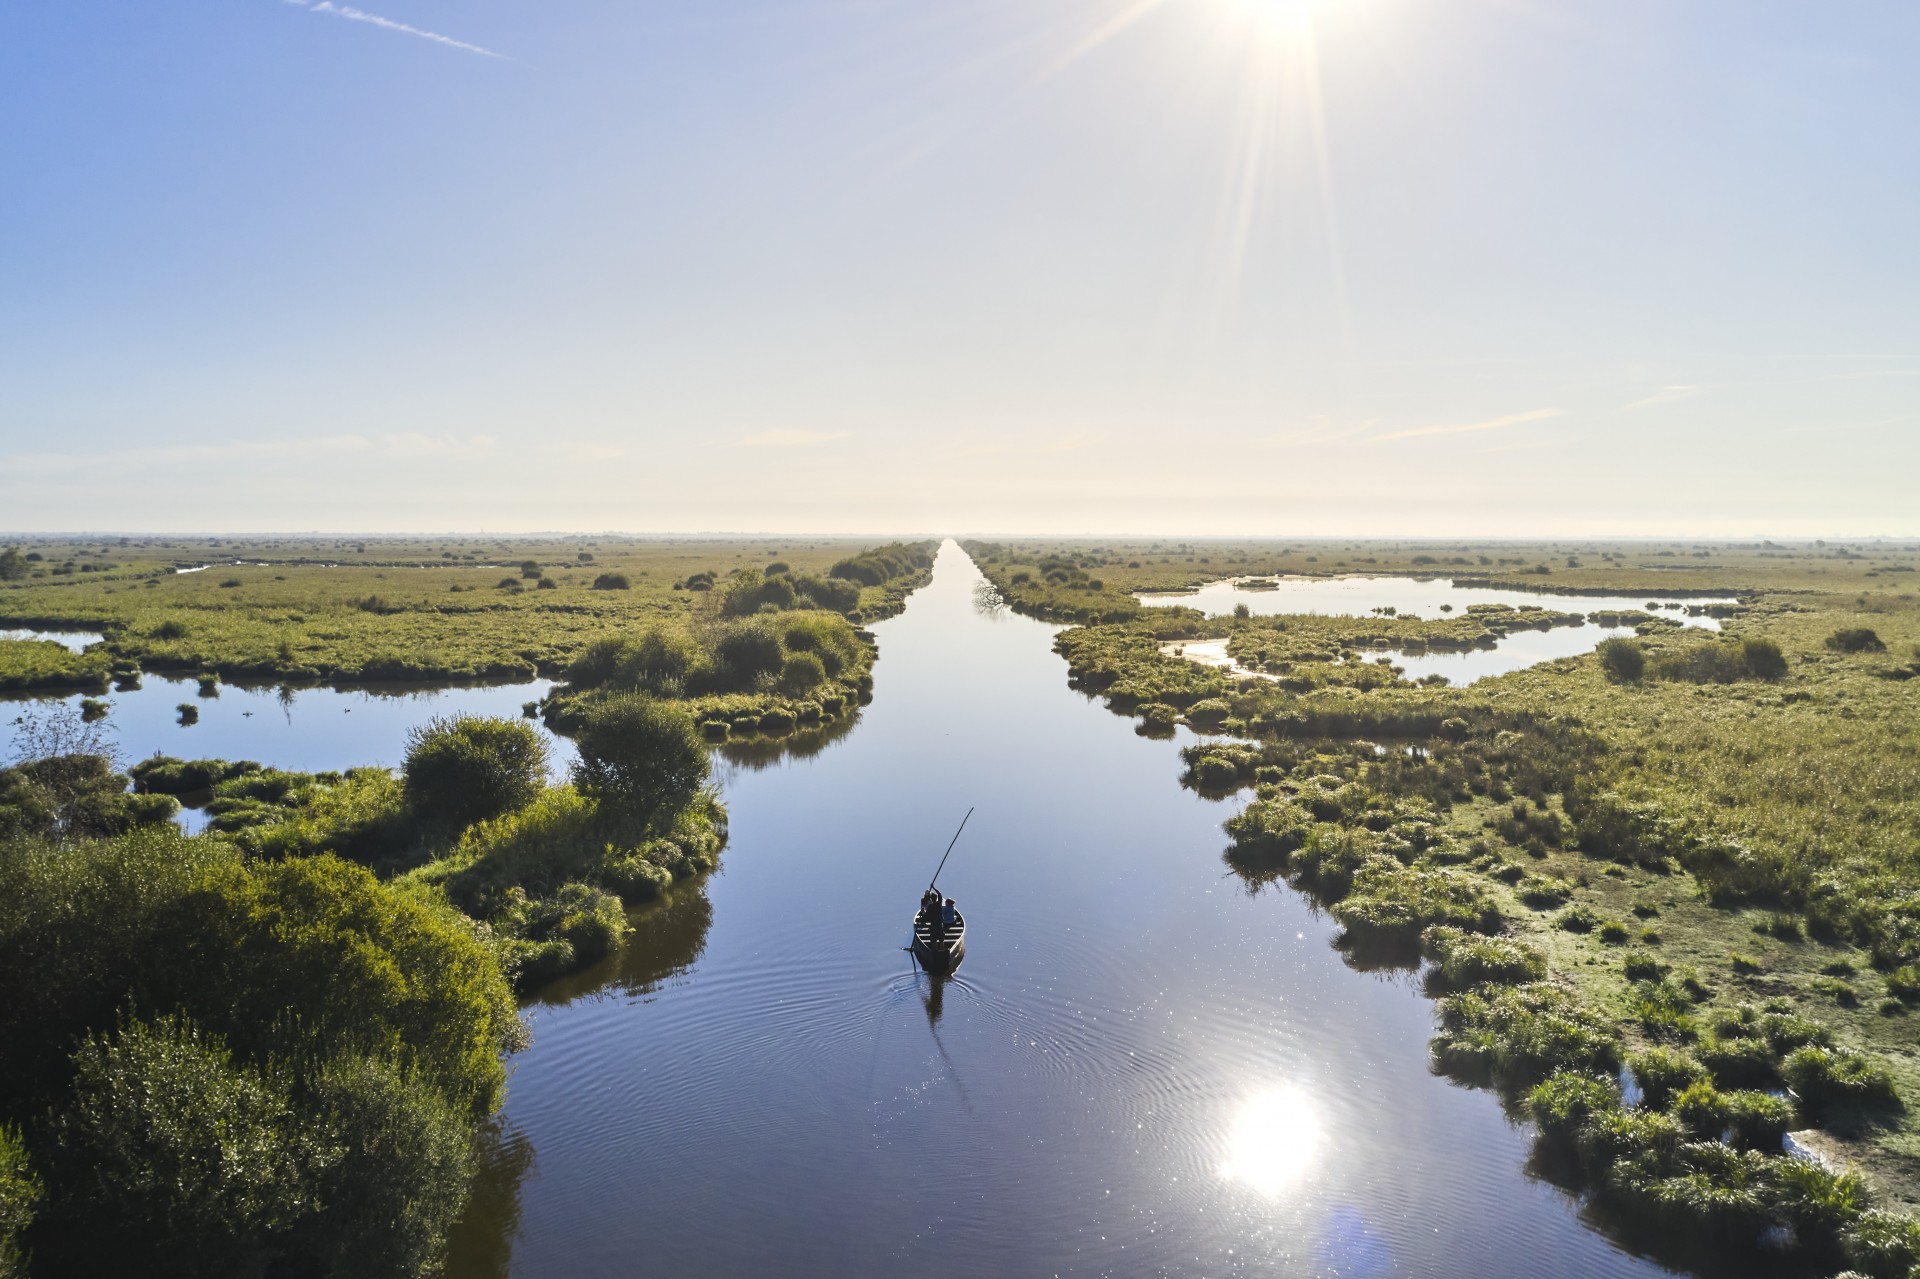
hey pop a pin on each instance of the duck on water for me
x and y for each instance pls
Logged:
(939, 929)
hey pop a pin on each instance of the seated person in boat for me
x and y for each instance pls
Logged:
(949, 916)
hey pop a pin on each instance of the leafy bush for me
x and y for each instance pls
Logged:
(1764, 658)
(801, 673)
(1517, 1036)
(1621, 658)
(640, 759)
(1210, 712)
(19, 1195)
(1213, 772)
(612, 582)
(176, 1154)
(1856, 639)
(1565, 1102)
(1463, 960)
(1825, 1078)
(1663, 1074)
(463, 769)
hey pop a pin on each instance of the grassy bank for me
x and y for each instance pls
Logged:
(411, 609)
(275, 1047)
(1694, 855)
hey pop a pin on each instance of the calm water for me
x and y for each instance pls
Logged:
(1361, 596)
(1423, 597)
(1141, 1068)
(72, 641)
(310, 729)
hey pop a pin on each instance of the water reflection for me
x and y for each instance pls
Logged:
(668, 938)
(795, 1100)
(751, 754)
(1275, 1140)
(481, 1244)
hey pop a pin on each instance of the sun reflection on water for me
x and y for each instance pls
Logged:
(1275, 1140)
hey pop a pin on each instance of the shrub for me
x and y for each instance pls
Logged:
(801, 673)
(1463, 959)
(400, 1159)
(748, 650)
(639, 758)
(1564, 1103)
(1577, 919)
(176, 1154)
(1825, 1078)
(1622, 658)
(468, 767)
(1213, 772)
(1764, 658)
(19, 1194)
(188, 713)
(1613, 932)
(1210, 712)
(1519, 1035)
(1856, 639)
(1158, 717)
(612, 582)
(1663, 1074)
(1640, 966)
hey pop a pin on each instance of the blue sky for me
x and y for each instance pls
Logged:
(1394, 267)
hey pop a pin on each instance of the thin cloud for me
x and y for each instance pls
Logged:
(787, 437)
(352, 14)
(409, 444)
(1322, 431)
(1665, 395)
(1465, 428)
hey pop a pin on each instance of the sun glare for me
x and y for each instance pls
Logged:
(1275, 1140)
(1286, 17)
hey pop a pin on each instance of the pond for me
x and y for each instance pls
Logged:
(301, 727)
(1429, 598)
(1142, 1068)
(72, 641)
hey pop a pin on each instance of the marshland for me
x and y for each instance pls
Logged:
(524, 528)
(1251, 950)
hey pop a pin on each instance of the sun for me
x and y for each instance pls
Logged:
(1274, 1141)
(1283, 17)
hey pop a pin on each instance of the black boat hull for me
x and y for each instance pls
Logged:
(939, 954)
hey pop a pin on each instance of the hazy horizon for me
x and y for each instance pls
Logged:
(1234, 267)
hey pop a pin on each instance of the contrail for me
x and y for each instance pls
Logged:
(359, 15)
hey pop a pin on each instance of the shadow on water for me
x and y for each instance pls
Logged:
(481, 1244)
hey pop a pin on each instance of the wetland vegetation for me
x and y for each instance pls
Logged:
(1666, 891)
(275, 1047)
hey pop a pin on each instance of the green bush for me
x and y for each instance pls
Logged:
(1213, 772)
(19, 1195)
(640, 759)
(1464, 959)
(1621, 658)
(612, 582)
(801, 673)
(1565, 1102)
(1764, 658)
(1856, 639)
(463, 769)
(1664, 1074)
(1210, 713)
(1825, 1078)
(1516, 1036)
(173, 1154)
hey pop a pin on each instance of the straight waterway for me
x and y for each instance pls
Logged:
(1141, 1069)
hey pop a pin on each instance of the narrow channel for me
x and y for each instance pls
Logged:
(1141, 1069)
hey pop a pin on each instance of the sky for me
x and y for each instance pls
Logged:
(1250, 267)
